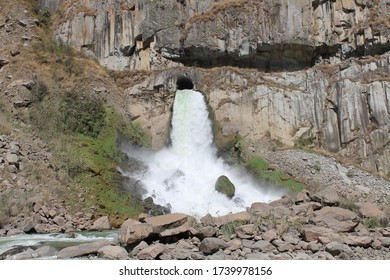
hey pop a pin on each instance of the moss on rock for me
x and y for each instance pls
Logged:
(225, 186)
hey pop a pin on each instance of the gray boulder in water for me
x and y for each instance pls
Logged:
(225, 186)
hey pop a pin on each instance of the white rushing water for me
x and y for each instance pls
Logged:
(183, 175)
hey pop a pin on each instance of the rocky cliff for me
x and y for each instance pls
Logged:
(268, 35)
(329, 85)
(343, 108)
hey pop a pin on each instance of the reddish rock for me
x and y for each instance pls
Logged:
(163, 222)
(339, 219)
(327, 196)
(81, 250)
(151, 252)
(133, 231)
(100, 224)
(354, 240)
(370, 210)
(313, 233)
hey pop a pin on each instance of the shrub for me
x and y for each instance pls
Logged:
(83, 114)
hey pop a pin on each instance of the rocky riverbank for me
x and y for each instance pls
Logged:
(321, 225)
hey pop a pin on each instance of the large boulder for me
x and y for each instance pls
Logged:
(113, 253)
(339, 219)
(101, 224)
(210, 245)
(133, 231)
(164, 222)
(82, 250)
(225, 186)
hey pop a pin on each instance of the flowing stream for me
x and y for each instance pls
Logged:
(57, 241)
(183, 176)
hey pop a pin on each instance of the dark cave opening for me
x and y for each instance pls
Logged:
(184, 82)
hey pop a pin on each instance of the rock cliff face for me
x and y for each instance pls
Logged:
(322, 90)
(268, 35)
(343, 108)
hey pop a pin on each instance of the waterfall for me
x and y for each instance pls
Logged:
(183, 175)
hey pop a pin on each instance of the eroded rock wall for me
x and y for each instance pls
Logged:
(267, 35)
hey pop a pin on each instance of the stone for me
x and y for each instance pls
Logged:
(60, 221)
(15, 52)
(169, 221)
(234, 244)
(133, 231)
(263, 246)
(26, 255)
(46, 228)
(100, 224)
(306, 208)
(185, 228)
(335, 248)
(246, 231)
(82, 250)
(283, 246)
(290, 238)
(208, 231)
(260, 208)
(151, 252)
(243, 217)
(15, 231)
(361, 241)
(46, 251)
(225, 186)
(313, 233)
(328, 196)
(370, 210)
(23, 22)
(211, 245)
(3, 62)
(12, 159)
(385, 241)
(313, 246)
(339, 219)
(112, 252)
(28, 225)
(270, 235)
(142, 245)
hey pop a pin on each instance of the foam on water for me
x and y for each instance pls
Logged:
(183, 175)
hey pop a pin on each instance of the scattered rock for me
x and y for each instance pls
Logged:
(15, 52)
(370, 210)
(327, 197)
(15, 231)
(263, 246)
(113, 253)
(169, 221)
(361, 241)
(46, 251)
(133, 231)
(210, 245)
(339, 219)
(313, 233)
(151, 252)
(82, 250)
(23, 22)
(26, 255)
(101, 224)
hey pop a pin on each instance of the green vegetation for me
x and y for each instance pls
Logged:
(317, 166)
(225, 186)
(230, 228)
(84, 135)
(260, 167)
